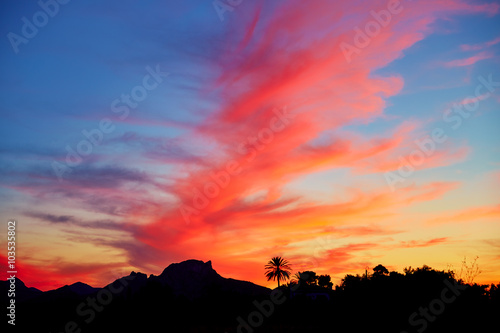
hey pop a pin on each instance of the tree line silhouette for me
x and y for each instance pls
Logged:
(417, 300)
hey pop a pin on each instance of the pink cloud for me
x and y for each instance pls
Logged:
(477, 47)
(473, 100)
(469, 61)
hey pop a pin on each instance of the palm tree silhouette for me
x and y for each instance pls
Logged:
(277, 269)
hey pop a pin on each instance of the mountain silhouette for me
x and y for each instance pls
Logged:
(82, 289)
(75, 289)
(191, 279)
(134, 283)
(195, 279)
(191, 296)
(23, 293)
(191, 285)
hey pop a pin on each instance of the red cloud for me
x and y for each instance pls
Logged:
(56, 273)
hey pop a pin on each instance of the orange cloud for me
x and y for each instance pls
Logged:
(469, 215)
(431, 242)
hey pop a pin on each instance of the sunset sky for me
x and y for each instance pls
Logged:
(337, 134)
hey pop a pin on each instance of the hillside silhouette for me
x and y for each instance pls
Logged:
(192, 297)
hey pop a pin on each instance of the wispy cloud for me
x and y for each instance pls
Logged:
(470, 60)
(71, 220)
(420, 243)
(480, 46)
(469, 215)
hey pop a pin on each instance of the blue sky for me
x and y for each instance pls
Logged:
(328, 169)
